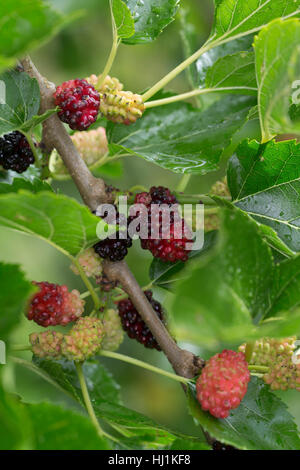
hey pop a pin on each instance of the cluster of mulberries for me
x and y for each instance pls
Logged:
(112, 330)
(167, 239)
(92, 145)
(117, 105)
(134, 325)
(54, 305)
(223, 383)
(277, 355)
(90, 263)
(84, 339)
(15, 152)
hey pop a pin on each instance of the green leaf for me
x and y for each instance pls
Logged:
(150, 18)
(277, 56)
(220, 293)
(15, 429)
(58, 219)
(235, 70)
(36, 120)
(104, 393)
(21, 102)
(56, 428)
(207, 60)
(189, 38)
(182, 444)
(166, 274)
(29, 24)
(261, 422)
(14, 184)
(264, 181)
(238, 18)
(14, 293)
(123, 19)
(181, 138)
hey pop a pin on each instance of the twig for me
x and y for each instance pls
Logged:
(94, 192)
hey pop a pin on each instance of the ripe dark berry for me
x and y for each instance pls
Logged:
(223, 383)
(114, 248)
(169, 243)
(54, 305)
(79, 103)
(134, 325)
(15, 152)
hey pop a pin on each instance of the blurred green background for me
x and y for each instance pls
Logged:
(78, 51)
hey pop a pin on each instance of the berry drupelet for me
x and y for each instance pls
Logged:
(134, 325)
(15, 152)
(78, 102)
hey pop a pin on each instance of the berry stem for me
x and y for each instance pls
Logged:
(195, 199)
(33, 149)
(88, 284)
(183, 182)
(113, 52)
(144, 365)
(259, 369)
(88, 403)
(191, 94)
(176, 71)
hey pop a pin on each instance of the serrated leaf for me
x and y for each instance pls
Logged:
(181, 138)
(22, 100)
(207, 60)
(150, 18)
(123, 20)
(261, 422)
(277, 54)
(14, 293)
(56, 428)
(58, 219)
(29, 24)
(264, 181)
(239, 18)
(234, 71)
(20, 104)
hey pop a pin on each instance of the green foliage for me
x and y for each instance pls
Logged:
(22, 102)
(123, 19)
(56, 428)
(236, 19)
(58, 219)
(14, 293)
(181, 138)
(277, 67)
(264, 181)
(150, 18)
(261, 422)
(29, 24)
